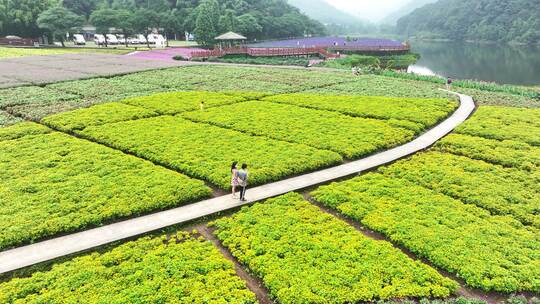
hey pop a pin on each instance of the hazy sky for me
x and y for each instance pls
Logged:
(372, 10)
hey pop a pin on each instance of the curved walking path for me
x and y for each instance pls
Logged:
(47, 250)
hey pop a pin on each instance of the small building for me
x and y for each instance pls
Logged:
(230, 39)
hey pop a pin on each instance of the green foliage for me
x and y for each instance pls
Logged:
(19, 17)
(468, 84)
(81, 7)
(59, 21)
(424, 111)
(303, 255)
(352, 137)
(105, 89)
(7, 119)
(502, 191)
(177, 269)
(488, 252)
(508, 153)
(177, 102)
(300, 61)
(31, 95)
(54, 183)
(206, 26)
(373, 85)
(96, 115)
(376, 62)
(477, 20)
(504, 123)
(206, 151)
(22, 129)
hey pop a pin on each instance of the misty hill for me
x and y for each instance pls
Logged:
(475, 20)
(321, 11)
(404, 10)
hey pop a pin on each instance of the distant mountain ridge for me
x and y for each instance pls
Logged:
(404, 10)
(323, 12)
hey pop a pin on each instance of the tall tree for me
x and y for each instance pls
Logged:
(59, 21)
(81, 7)
(228, 22)
(103, 19)
(206, 26)
(21, 16)
(145, 21)
(124, 22)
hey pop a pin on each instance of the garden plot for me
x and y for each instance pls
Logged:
(507, 153)
(352, 137)
(372, 85)
(161, 269)
(100, 90)
(504, 123)
(176, 102)
(97, 115)
(22, 129)
(7, 119)
(425, 111)
(206, 151)
(32, 95)
(494, 253)
(303, 255)
(502, 191)
(54, 183)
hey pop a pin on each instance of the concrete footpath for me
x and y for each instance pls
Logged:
(47, 250)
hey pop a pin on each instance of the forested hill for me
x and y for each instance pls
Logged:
(476, 20)
(253, 18)
(321, 11)
(404, 10)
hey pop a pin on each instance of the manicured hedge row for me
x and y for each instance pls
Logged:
(424, 111)
(488, 252)
(508, 153)
(97, 115)
(206, 151)
(22, 129)
(306, 256)
(504, 191)
(350, 136)
(179, 269)
(504, 123)
(177, 102)
(54, 183)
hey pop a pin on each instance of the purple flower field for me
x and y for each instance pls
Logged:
(328, 42)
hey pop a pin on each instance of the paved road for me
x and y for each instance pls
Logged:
(54, 68)
(73, 243)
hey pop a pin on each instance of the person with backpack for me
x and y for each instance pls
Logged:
(243, 176)
(449, 83)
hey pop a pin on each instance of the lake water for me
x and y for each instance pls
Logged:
(497, 63)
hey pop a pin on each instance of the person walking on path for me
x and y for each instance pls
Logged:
(449, 83)
(234, 178)
(243, 176)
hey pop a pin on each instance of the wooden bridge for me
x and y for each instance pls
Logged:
(321, 51)
(265, 52)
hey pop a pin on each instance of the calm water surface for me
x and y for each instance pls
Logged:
(499, 63)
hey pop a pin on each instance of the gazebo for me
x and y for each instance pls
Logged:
(230, 39)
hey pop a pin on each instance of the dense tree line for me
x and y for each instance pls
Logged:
(255, 19)
(476, 20)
